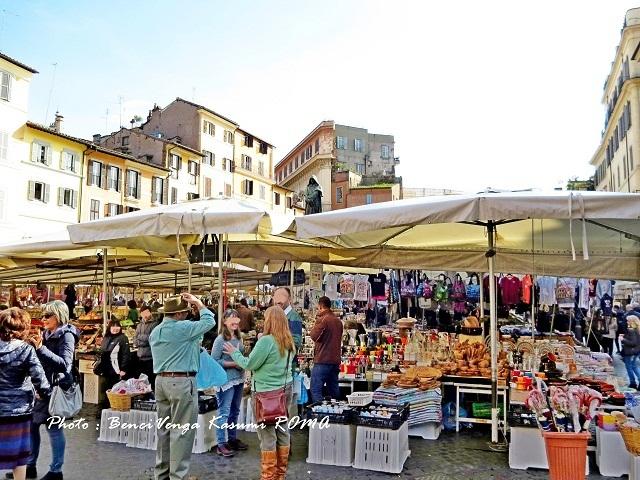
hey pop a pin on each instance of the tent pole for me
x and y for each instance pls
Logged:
(189, 278)
(220, 299)
(533, 307)
(493, 322)
(481, 313)
(105, 305)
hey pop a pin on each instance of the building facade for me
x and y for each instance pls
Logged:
(348, 191)
(365, 153)
(313, 156)
(332, 148)
(253, 169)
(616, 168)
(186, 180)
(15, 80)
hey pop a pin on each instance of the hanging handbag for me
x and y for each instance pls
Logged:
(65, 403)
(459, 293)
(208, 251)
(283, 277)
(270, 406)
(473, 289)
(441, 290)
(427, 291)
(98, 368)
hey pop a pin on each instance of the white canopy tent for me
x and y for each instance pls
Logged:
(163, 228)
(557, 233)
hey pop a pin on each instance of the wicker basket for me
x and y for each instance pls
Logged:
(119, 402)
(631, 437)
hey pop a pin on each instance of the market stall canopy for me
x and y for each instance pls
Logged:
(131, 271)
(538, 233)
(163, 229)
(55, 245)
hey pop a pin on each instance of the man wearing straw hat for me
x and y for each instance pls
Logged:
(175, 347)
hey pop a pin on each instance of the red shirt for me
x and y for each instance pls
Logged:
(510, 286)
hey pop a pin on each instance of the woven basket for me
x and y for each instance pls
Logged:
(118, 402)
(631, 437)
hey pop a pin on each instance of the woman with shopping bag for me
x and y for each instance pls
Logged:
(270, 363)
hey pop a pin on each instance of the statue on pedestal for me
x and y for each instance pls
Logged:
(313, 197)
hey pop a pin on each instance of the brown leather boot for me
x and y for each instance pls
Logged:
(283, 462)
(268, 465)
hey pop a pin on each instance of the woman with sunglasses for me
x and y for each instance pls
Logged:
(55, 349)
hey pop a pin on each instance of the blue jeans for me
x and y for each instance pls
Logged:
(633, 370)
(228, 410)
(321, 374)
(56, 437)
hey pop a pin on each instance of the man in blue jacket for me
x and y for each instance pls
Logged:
(175, 348)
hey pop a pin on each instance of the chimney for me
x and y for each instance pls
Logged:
(57, 122)
(96, 138)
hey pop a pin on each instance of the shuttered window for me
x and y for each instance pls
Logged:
(5, 86)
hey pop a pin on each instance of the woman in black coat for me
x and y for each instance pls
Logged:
(115, 355)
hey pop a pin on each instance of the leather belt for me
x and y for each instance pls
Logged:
(177, 374)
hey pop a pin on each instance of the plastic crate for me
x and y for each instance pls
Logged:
(334, 445)
(205, 434)
(483, 410)
(382, 450)
(146, 438)
(144, 405)
(360, 399)
(111, 426)
(394, 422)
(427, 431)
(207, 403)
(346, 417)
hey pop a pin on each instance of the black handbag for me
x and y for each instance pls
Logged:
(283, 277)
(208, 251)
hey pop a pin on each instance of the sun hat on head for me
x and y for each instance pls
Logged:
(174, 305)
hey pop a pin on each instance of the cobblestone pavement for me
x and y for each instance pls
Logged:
(452, 456)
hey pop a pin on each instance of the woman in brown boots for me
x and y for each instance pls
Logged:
(270, 362)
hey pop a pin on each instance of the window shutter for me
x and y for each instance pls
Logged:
(120, 180)
(62, 161)
(46, 193)
(153, 189)
(126, 183)
(165, 192)
(103, 176)
(138, 186)
(109, 176)
(74, 199)
(48, 155)
(75, 164)
(89, 171)
(35, 151)
(31, 193)
(106, 209)
(60, 196)
(120, 209)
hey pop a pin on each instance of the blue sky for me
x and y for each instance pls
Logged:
(496, 93)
